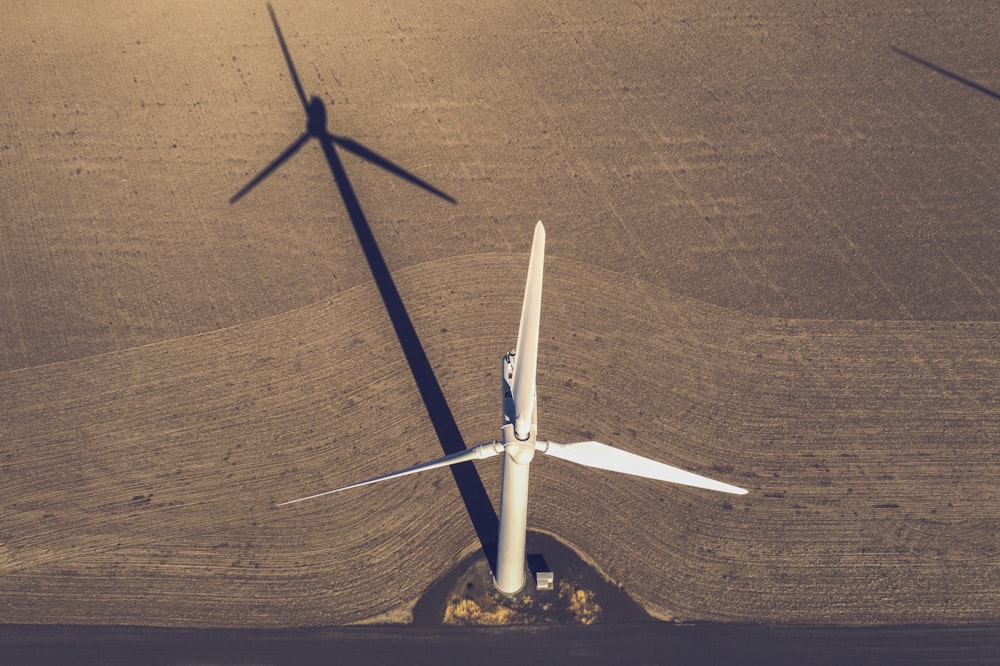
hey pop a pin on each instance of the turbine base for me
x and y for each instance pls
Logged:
(467, 595)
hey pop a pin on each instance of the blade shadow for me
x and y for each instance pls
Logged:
(288, 152)
(945, 72)
(373, 157)
(288, 59)
(477, 501)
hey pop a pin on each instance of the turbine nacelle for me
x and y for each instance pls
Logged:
(520, 447)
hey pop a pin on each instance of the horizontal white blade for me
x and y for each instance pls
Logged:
(526, 356)
(475, 453)
(602, 456)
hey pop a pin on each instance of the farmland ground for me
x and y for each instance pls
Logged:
(772, 259)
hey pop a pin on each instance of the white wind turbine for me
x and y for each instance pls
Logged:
(519, 443)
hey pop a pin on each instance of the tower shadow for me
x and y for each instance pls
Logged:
(470, 485)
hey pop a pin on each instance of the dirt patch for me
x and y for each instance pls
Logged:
(467, 597)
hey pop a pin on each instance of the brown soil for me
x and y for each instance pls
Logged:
(772, 259)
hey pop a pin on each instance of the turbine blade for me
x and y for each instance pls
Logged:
(288, 152)
(479, 452)
(369, 155)
(526, 354)
(602, 456)
(288, 59)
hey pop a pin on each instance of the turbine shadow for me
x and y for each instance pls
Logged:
(470, 485)
(945, 72)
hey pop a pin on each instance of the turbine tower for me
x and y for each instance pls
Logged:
(520, 441)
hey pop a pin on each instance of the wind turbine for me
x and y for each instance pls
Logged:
(520, 442)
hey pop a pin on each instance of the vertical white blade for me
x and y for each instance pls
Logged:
(602, 456)
(526, 357)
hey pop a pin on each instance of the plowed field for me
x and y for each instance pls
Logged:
(771, 259)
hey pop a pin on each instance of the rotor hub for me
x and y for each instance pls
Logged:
(520, 451)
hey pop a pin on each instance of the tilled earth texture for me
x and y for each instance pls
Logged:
(772, 259)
